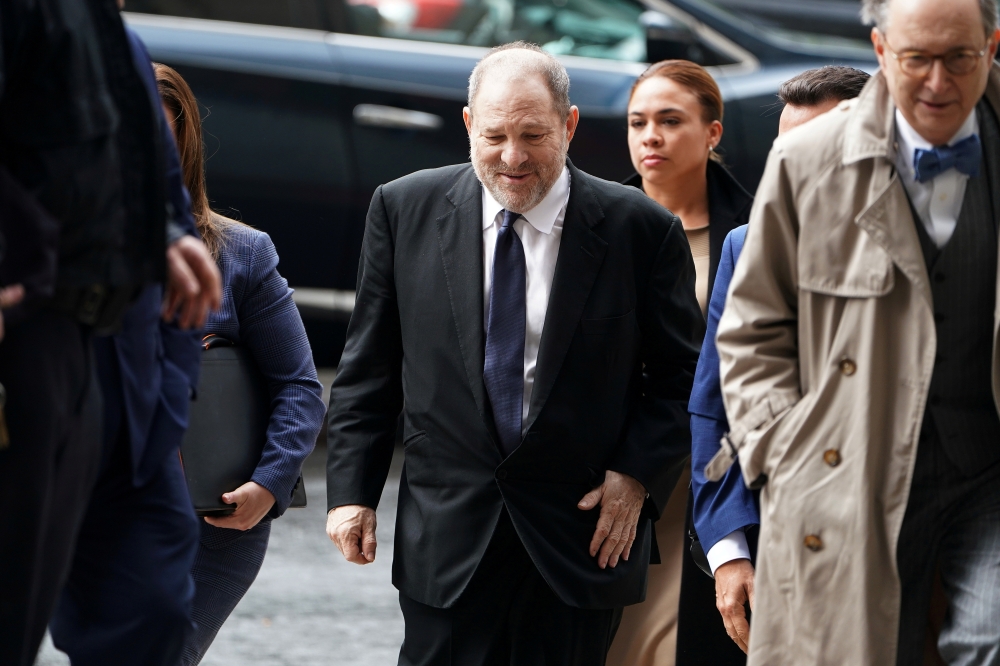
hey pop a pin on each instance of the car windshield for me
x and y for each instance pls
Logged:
(595, 28)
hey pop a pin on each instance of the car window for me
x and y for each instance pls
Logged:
(595, 28)
(288, 13)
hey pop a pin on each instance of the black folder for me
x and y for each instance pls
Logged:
(228, 427)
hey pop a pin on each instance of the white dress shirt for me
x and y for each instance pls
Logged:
(540, 236)
(731, 547)
(938, 202)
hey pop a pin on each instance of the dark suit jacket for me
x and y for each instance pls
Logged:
(614, 372)
(149, 369)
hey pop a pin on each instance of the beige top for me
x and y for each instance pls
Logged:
(698, 240)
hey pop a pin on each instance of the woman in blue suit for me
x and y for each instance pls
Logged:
(257, 312)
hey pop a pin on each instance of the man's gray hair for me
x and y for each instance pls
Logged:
(510, 61)
(876, 12)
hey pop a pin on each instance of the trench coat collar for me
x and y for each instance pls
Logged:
(871, 130)
(888, 219)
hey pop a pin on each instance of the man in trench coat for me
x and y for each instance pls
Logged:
(859, 361)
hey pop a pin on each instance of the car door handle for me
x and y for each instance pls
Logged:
(376, 115)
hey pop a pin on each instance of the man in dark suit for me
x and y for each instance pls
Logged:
(127, 599)
(538, 325)
(85, 227)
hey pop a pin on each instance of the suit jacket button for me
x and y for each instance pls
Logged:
(831, 457)
(848, 367)
(502, 474)
(813, 543)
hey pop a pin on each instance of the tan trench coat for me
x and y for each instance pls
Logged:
(827, 347)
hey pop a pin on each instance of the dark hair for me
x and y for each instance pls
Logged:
(177, 96)
(815, 86)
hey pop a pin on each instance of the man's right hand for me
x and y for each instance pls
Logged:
(733, 589)
(194, 285)
(352, 529)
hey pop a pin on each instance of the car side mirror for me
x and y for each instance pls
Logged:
(669, 39)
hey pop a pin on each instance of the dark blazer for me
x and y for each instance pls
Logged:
(728, 207)
(257, 311)
(614, 372)
(149, 369)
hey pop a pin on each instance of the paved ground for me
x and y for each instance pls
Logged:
(308, 607)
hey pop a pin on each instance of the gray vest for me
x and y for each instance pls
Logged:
(963, 279)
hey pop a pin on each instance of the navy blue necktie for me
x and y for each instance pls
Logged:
(503, 371)
(963, 156)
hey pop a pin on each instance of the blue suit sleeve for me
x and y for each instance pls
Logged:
(727, 505)
(270, 326)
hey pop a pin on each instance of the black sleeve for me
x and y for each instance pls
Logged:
(367, 395)
(657, 440)
(29, 244)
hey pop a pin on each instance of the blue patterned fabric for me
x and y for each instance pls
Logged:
(727, 505)
(503, 372)
(258, 312)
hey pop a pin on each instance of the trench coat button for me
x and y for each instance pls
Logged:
(813, 543)
(848, 367)
(935, 400)
(939, 318)
(502, 474)
(939, 278)
(831, 457)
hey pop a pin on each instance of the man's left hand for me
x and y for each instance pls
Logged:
(252, 501)
(194, 285)
(621, 498)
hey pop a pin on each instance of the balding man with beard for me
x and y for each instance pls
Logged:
(535, 325)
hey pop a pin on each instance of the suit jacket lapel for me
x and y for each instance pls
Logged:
(581, 253)
(460, 238)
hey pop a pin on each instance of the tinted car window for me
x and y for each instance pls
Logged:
(313, 14)
(595, 28)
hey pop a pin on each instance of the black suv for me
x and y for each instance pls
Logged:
(311, 104)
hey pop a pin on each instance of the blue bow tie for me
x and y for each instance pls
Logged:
(963, 156)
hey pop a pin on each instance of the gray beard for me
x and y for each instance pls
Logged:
(521, 200)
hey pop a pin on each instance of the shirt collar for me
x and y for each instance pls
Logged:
(909, 140)
(543, 216)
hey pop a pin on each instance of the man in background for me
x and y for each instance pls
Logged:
(724, 511)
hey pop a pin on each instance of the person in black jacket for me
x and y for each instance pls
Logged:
(537, 328)
(82, 165)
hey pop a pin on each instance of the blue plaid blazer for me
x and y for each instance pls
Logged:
(257, 312)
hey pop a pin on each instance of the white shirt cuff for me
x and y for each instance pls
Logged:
(731, 547)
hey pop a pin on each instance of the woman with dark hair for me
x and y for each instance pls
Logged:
(674, 127)
(257, 312)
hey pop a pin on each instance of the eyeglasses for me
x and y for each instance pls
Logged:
(919, 63)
